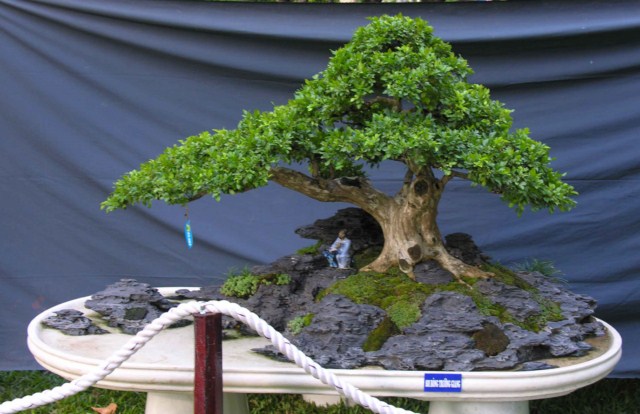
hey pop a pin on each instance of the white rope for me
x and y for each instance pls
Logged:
(180, 312)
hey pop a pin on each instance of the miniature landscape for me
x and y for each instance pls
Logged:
(411, 299)
(347, 319)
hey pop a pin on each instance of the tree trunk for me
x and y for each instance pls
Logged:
(411, 233)
(408, 220)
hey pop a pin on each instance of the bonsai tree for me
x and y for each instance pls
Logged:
(394, 93)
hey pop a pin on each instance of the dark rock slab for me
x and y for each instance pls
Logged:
(204, 294)
(73, 322)
(428, 351)
(449, 312)
(292, 264)
(337, 332)
(462, 246)
(518, 302)
(430, 273)
(362, 229)
(130, 305)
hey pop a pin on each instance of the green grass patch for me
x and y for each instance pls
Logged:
(611, 396)
(544, 267)
(17, 384)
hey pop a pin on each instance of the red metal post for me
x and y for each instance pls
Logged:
(207, 392)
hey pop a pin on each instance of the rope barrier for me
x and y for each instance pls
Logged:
(180, 312)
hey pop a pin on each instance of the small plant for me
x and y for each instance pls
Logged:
(280, 279)
(544, 267)
(296, 325)
(246, 284)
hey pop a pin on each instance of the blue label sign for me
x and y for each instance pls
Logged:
(188, 236)
(442, 382)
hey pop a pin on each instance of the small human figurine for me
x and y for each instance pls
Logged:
(338, 254)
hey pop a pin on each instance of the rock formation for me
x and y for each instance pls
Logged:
(451, 334)
(454, 330)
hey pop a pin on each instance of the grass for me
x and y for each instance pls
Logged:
(16, 384)
(609, 396)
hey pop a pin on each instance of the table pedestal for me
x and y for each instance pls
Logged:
(232, 403)
(478, 407)
(169, 402)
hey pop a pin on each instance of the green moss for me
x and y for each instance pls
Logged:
(381, 290)
(246, 284)
(549, 310)
(507, 276)
(314, 249)
(484, 304)
(366, 256)
(404, 313)
(296, 325)
(400, 296)
(385, 330)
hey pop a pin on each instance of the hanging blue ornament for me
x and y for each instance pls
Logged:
(188, 235)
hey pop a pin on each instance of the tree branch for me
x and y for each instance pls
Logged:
(393, 103)
(356, 191)
(453, 174)
(406, 184)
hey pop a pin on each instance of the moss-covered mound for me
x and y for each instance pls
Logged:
(402, 297)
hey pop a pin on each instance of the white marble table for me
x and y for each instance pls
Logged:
(164, 370)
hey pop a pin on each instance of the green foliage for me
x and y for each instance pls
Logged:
(281, 279)
(297, 324)
(246, 284)
(394, 92)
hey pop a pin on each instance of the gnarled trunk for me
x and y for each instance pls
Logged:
(411, 232)
(408, 220)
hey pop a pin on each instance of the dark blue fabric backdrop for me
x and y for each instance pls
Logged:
(90, 89)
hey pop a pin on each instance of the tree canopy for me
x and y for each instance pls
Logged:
(394, 92)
